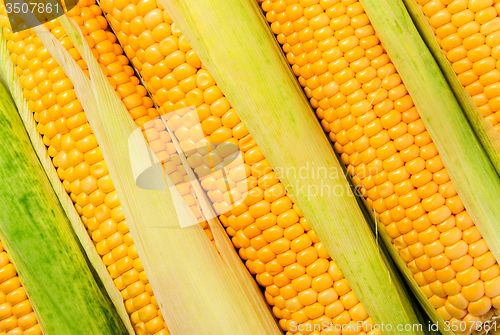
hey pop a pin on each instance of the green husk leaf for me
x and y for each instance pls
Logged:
(486, 133)
(41, 244)
(11, 81)
(234, 42)
(199, 291)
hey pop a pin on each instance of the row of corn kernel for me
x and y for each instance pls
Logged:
(469, 34)
(155, 132)
(62, 123)
(302, 283)
(16, 313)
(364, 107)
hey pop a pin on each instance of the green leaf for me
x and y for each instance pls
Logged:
(41, 244)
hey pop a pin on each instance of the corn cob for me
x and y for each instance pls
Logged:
(81, 168)
(302, 283)
(16, 313)
(366, 111)
(468, 34)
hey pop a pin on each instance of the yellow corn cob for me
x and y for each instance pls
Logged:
(62, 123)
(468, 32)
(16, 313)
(302, 282)
(368, 114)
